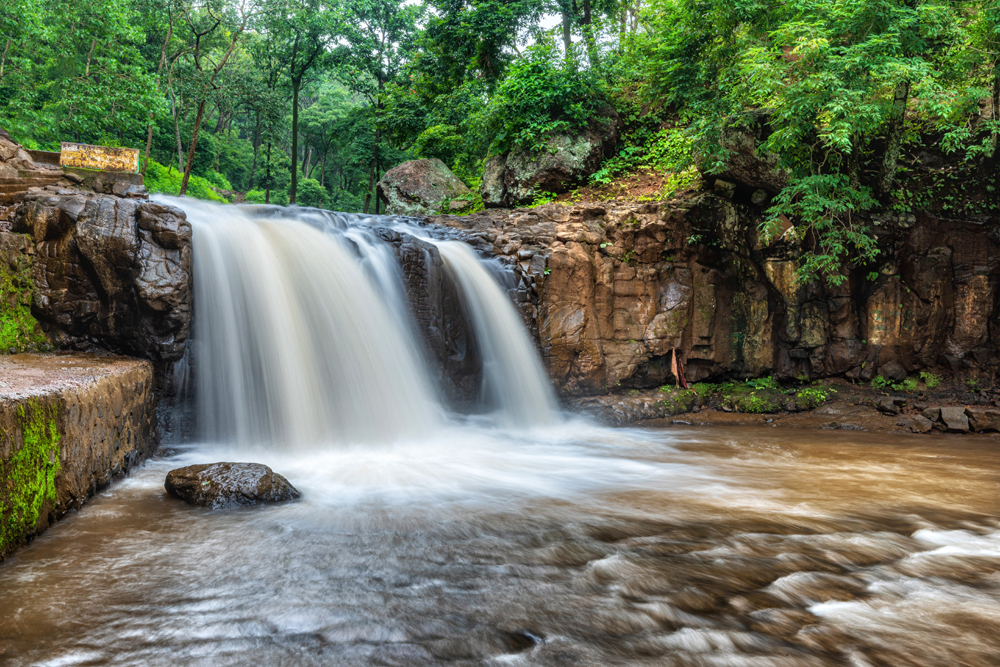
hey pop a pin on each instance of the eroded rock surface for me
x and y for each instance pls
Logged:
(221, 485)
(610, 290)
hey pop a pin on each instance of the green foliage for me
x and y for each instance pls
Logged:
(879, 382)
(756, 404)
(703, 389)
(669, 150)
(763, 383)
(973, 384)
(541, 198)
(543, 94)
(907, 385)
(19, 331)
(311, 193)
(255, 197)
(815, 396)
(167, 180)
(217, 180)
(27, 479)
(930, 380)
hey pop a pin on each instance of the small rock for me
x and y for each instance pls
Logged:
(933, 414)
(457, 205)
(725, 189)
(219, 485)
(892, 371)
(759, 197)
(76, 178)
(887, 405)
(955, 419)
(983, 419)
(921, 424)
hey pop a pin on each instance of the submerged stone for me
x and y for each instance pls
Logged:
(219, 485)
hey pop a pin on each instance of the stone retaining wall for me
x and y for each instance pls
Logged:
(69, 424)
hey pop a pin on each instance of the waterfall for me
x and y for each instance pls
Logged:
(303, 331)
(293, 343)
(514, 381)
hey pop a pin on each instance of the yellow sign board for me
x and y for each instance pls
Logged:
(104, 158)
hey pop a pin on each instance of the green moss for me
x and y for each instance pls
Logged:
(30, 474)
(19, 331)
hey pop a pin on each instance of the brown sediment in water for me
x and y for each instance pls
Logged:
(734, 546)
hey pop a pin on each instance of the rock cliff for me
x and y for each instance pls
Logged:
(611, 290)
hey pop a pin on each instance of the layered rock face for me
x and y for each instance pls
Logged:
(611, 290)
(69, 424)
(110, 272)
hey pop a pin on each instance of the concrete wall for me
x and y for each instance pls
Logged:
(69, 424)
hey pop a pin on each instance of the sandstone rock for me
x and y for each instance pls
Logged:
(747, 164)
(12, 156)
(983, 419)
(933, 414)
(419, 187)
(921, 424)
(955, 419)
(513, 178)
(220, 485)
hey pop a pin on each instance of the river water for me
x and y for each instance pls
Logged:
(574, 546)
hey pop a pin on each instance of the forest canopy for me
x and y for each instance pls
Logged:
(311, 101)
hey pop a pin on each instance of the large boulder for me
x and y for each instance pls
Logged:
(513, 179)
(219, 485)
(112, 272)
(746, 163)
(420, 187)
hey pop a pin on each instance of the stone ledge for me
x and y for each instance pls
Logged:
(69, 425)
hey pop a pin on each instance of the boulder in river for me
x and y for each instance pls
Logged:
(219, 485)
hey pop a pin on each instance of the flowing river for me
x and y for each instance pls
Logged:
(513, 536)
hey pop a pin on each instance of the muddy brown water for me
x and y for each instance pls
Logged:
(672, 546)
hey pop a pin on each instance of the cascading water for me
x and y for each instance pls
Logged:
(514, 380)
(303, 332)
(292, 341)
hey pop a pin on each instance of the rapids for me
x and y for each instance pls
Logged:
(518, 536)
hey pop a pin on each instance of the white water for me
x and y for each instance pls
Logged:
(514, 380)
(302, 333)
(292, 341)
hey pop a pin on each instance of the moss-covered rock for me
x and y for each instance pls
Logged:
(19, 331)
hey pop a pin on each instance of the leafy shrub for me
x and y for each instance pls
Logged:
(255, 197)
(218, 180)
(879, 382)
(703, 389)
(439, 141)
(666, 150)
(930, 380)
(311, 193)
(908, 385)
(541, 198)
(763, 383)
(167, 180)
(543, 94)
(815, 396)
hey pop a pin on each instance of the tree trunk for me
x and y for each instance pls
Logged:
(996, 113)
(194, 144)
(256, 151)
(177, 133)
(894, 139)
(305, 165)
(267, 177)
(624, 26)
(567, 26)
(159, 71)
(296, 84)
(588, 35)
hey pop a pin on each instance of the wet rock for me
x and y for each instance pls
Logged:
(921, 424)
(892, 371)
(418, 187)
(983, 419)
(932, 414)
(219, 485)
(955, 419)
(887, 405)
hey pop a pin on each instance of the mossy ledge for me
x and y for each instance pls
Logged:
(31, 471)
(19, 331)
(69, 425)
